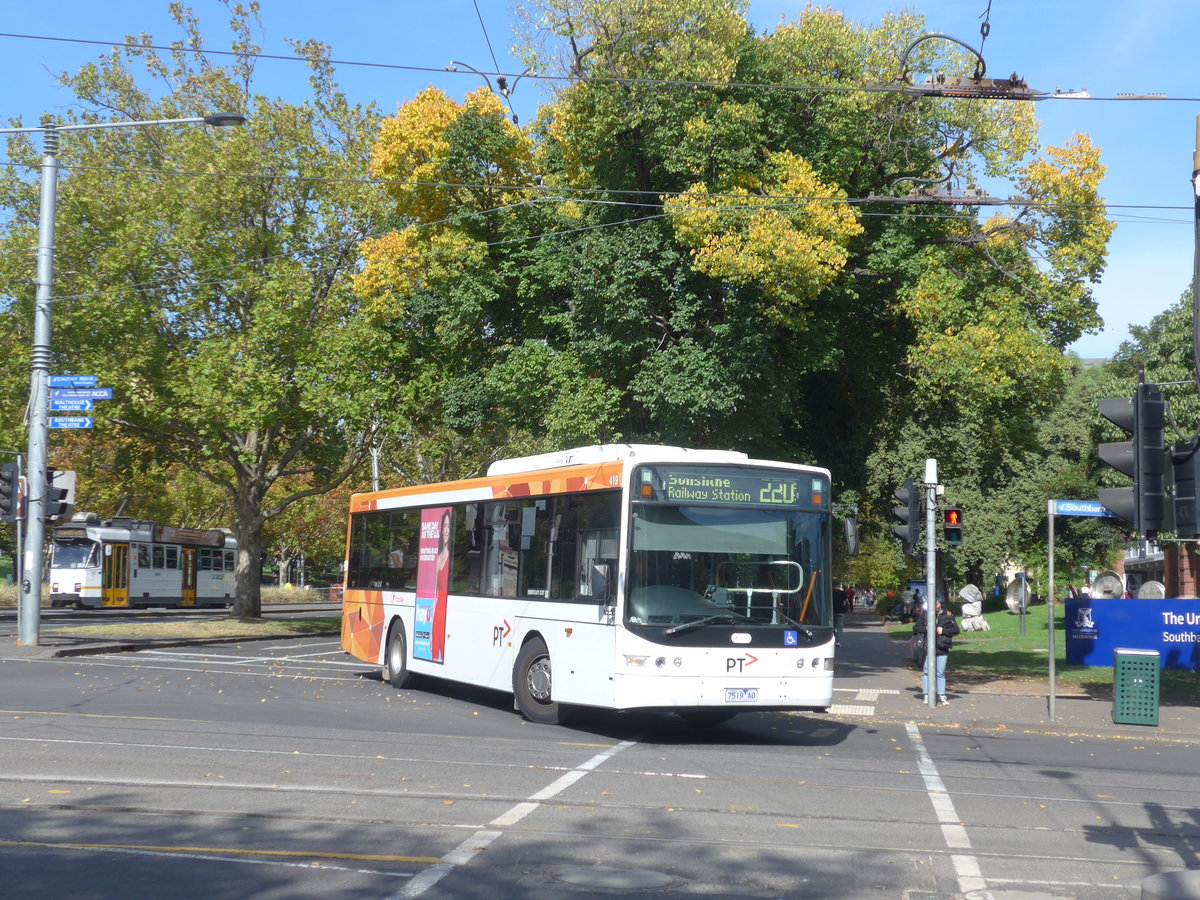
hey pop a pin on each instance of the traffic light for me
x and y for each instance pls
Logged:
(952, 526)
(9, 475)
(60, 494)
(1144, 458)
(1185, 461)
(909, 515)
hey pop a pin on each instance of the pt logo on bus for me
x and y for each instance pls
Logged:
(739, 663)
(500, 632)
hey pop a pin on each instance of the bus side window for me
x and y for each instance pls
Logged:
(588, 535)
(466, 560)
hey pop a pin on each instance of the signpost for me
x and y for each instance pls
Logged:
(92, 393)
(71, 421)
(75, 393)
(72, 405)
(67, 381)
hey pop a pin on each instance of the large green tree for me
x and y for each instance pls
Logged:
(205, 274)
(706, 238)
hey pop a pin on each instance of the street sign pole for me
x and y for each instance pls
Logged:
(931, 695)
(1050, 509)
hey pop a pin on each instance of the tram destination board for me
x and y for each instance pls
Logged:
(736, 485)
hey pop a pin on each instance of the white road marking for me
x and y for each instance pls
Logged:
(480, 840)
(966, 866)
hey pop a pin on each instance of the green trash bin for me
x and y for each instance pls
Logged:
(1135, 686)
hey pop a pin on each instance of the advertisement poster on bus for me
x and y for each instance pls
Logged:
(433, 579)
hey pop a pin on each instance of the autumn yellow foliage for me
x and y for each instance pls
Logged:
(789, 237)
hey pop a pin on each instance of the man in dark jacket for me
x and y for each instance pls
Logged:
(843, 602)
(945, 629)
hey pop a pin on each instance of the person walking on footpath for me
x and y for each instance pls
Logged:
(945, 630)
(843, 600)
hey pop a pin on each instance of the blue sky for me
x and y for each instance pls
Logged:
(1104, 46)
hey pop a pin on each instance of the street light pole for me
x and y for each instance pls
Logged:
(29, 609)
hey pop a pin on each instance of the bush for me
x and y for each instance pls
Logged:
(292, 595)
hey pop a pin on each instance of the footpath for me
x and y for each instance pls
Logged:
(872, 678)
(874, 667)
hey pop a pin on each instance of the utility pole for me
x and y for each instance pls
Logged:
(931, 694)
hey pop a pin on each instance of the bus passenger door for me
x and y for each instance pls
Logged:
(115, 591)
(187, 566)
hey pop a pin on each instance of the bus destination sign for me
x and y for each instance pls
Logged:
(739, 486)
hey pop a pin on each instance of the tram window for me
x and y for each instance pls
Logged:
(158, 557)
(172, 557)
(228, 560)
(143, 556)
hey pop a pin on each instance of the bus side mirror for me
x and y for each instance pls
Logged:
(851, 523)
(602, 586)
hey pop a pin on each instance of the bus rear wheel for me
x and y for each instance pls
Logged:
(396, 658)
(533, 684)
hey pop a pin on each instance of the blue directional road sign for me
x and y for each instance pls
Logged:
(95, 393)
(1087, 508)
(71, 421)
(72, 405)
(67, 381)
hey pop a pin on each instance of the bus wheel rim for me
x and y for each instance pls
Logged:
(538, 680)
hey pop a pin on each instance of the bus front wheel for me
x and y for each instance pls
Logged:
(532, 684)
(396, 660)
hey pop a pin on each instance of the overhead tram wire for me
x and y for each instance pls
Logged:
(573, 79)
(779, 199)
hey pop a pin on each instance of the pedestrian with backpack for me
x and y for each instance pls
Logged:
(945, 629)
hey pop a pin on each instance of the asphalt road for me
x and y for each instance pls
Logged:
(288, 770)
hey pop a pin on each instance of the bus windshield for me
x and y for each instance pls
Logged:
(742, 566)
(74, 555)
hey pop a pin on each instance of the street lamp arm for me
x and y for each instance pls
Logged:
(218, 120)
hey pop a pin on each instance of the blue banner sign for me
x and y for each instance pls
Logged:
(1095, 628)
(1080, 508)
(72, 405)
(66, 381)
(96, 393)
(71, 421)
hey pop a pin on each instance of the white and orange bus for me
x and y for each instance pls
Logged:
(619, 576)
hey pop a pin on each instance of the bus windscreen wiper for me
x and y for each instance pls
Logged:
(727, 618)
(803, 629)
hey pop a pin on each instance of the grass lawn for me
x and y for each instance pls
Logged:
(1004, 652)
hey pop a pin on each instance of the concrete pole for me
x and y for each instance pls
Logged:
(931, 582)
(39, 400)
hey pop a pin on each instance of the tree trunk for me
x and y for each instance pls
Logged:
(247, 528)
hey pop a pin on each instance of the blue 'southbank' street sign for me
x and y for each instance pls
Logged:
(1080, 508)
(71, 421)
